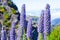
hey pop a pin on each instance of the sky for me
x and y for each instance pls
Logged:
(34, 7)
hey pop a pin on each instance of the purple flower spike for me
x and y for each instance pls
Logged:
(29, 29)
(41, 26)
(23, 16)
(12, 31)
(41, 23)
(3, 34)
(47, 21)
(22, 23)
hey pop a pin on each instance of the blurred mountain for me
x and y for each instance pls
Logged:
(55, 22)
(34, 20)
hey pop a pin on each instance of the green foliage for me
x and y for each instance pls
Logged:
(16, 26)
(6, 15)
(55, 34)
(2, 8)
(13, 10)
(28, 38)
(7, 23)
(40, 37)
(24, 36)
(12, 5)
(9, 2)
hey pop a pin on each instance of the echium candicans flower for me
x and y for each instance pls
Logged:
(3, 34)
(29, 29)
(23, 16)
(47, 21)
(41, 25)
(12, 31)
(22, 23)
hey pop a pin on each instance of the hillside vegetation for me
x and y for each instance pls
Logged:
(55, 33)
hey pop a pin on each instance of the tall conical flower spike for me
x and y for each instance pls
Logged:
(47, 21)
(29, 29)
(41, 23)
(3, 34)
(22, 23)
(12, 31)
(41, 26)
(23, 16)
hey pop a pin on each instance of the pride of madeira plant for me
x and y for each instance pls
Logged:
(29, 29)
(3, 34)
(47, 22)
(24, 31)
(22, 23)
(12, 30)
(41, 26)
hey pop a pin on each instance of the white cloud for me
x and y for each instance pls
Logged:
(37, 5)
(55, 15)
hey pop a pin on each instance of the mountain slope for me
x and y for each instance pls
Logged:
(56, 21)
